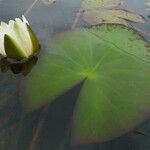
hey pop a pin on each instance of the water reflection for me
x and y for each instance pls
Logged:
(18, 67)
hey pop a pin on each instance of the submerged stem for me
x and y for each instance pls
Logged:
(30, 7)
(19, 128)
(38, 130)
(78, 14)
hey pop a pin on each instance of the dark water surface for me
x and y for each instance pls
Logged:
(48, 21)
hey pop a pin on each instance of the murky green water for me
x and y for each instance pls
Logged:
(48, 21)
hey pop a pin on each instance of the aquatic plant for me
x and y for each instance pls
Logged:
(109, 65)
(112, 61)
(108, 11)
(17, 40)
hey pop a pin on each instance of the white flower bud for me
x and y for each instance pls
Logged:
(17, 40)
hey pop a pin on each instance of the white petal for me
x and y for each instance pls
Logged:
(21, 35)
(3, 30)
(25, 20)
(2, 50)
(3, 24)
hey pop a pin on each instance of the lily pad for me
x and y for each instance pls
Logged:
(113, 62)
(116, 16)
(107, 11)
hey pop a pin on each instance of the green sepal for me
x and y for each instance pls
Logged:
(12, 49)
(35, 42)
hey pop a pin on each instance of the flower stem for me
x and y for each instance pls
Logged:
(77, 17)
(38, 130)
(30, 7)
(19, 128)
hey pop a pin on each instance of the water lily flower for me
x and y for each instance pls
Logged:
(17, 40)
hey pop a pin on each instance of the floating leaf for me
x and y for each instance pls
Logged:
(113, 61)
(116, 16)
(106, 11)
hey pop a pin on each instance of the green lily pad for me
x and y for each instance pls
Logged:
(113, 61)
(116, 16)
(107, 11)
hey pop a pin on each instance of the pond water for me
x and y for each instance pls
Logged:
(48, 21)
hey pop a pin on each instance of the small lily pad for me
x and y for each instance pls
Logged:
(113, 62)
(116, 16)
(107, 11)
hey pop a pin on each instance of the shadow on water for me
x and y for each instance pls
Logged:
(56, 121)
(18, 67)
